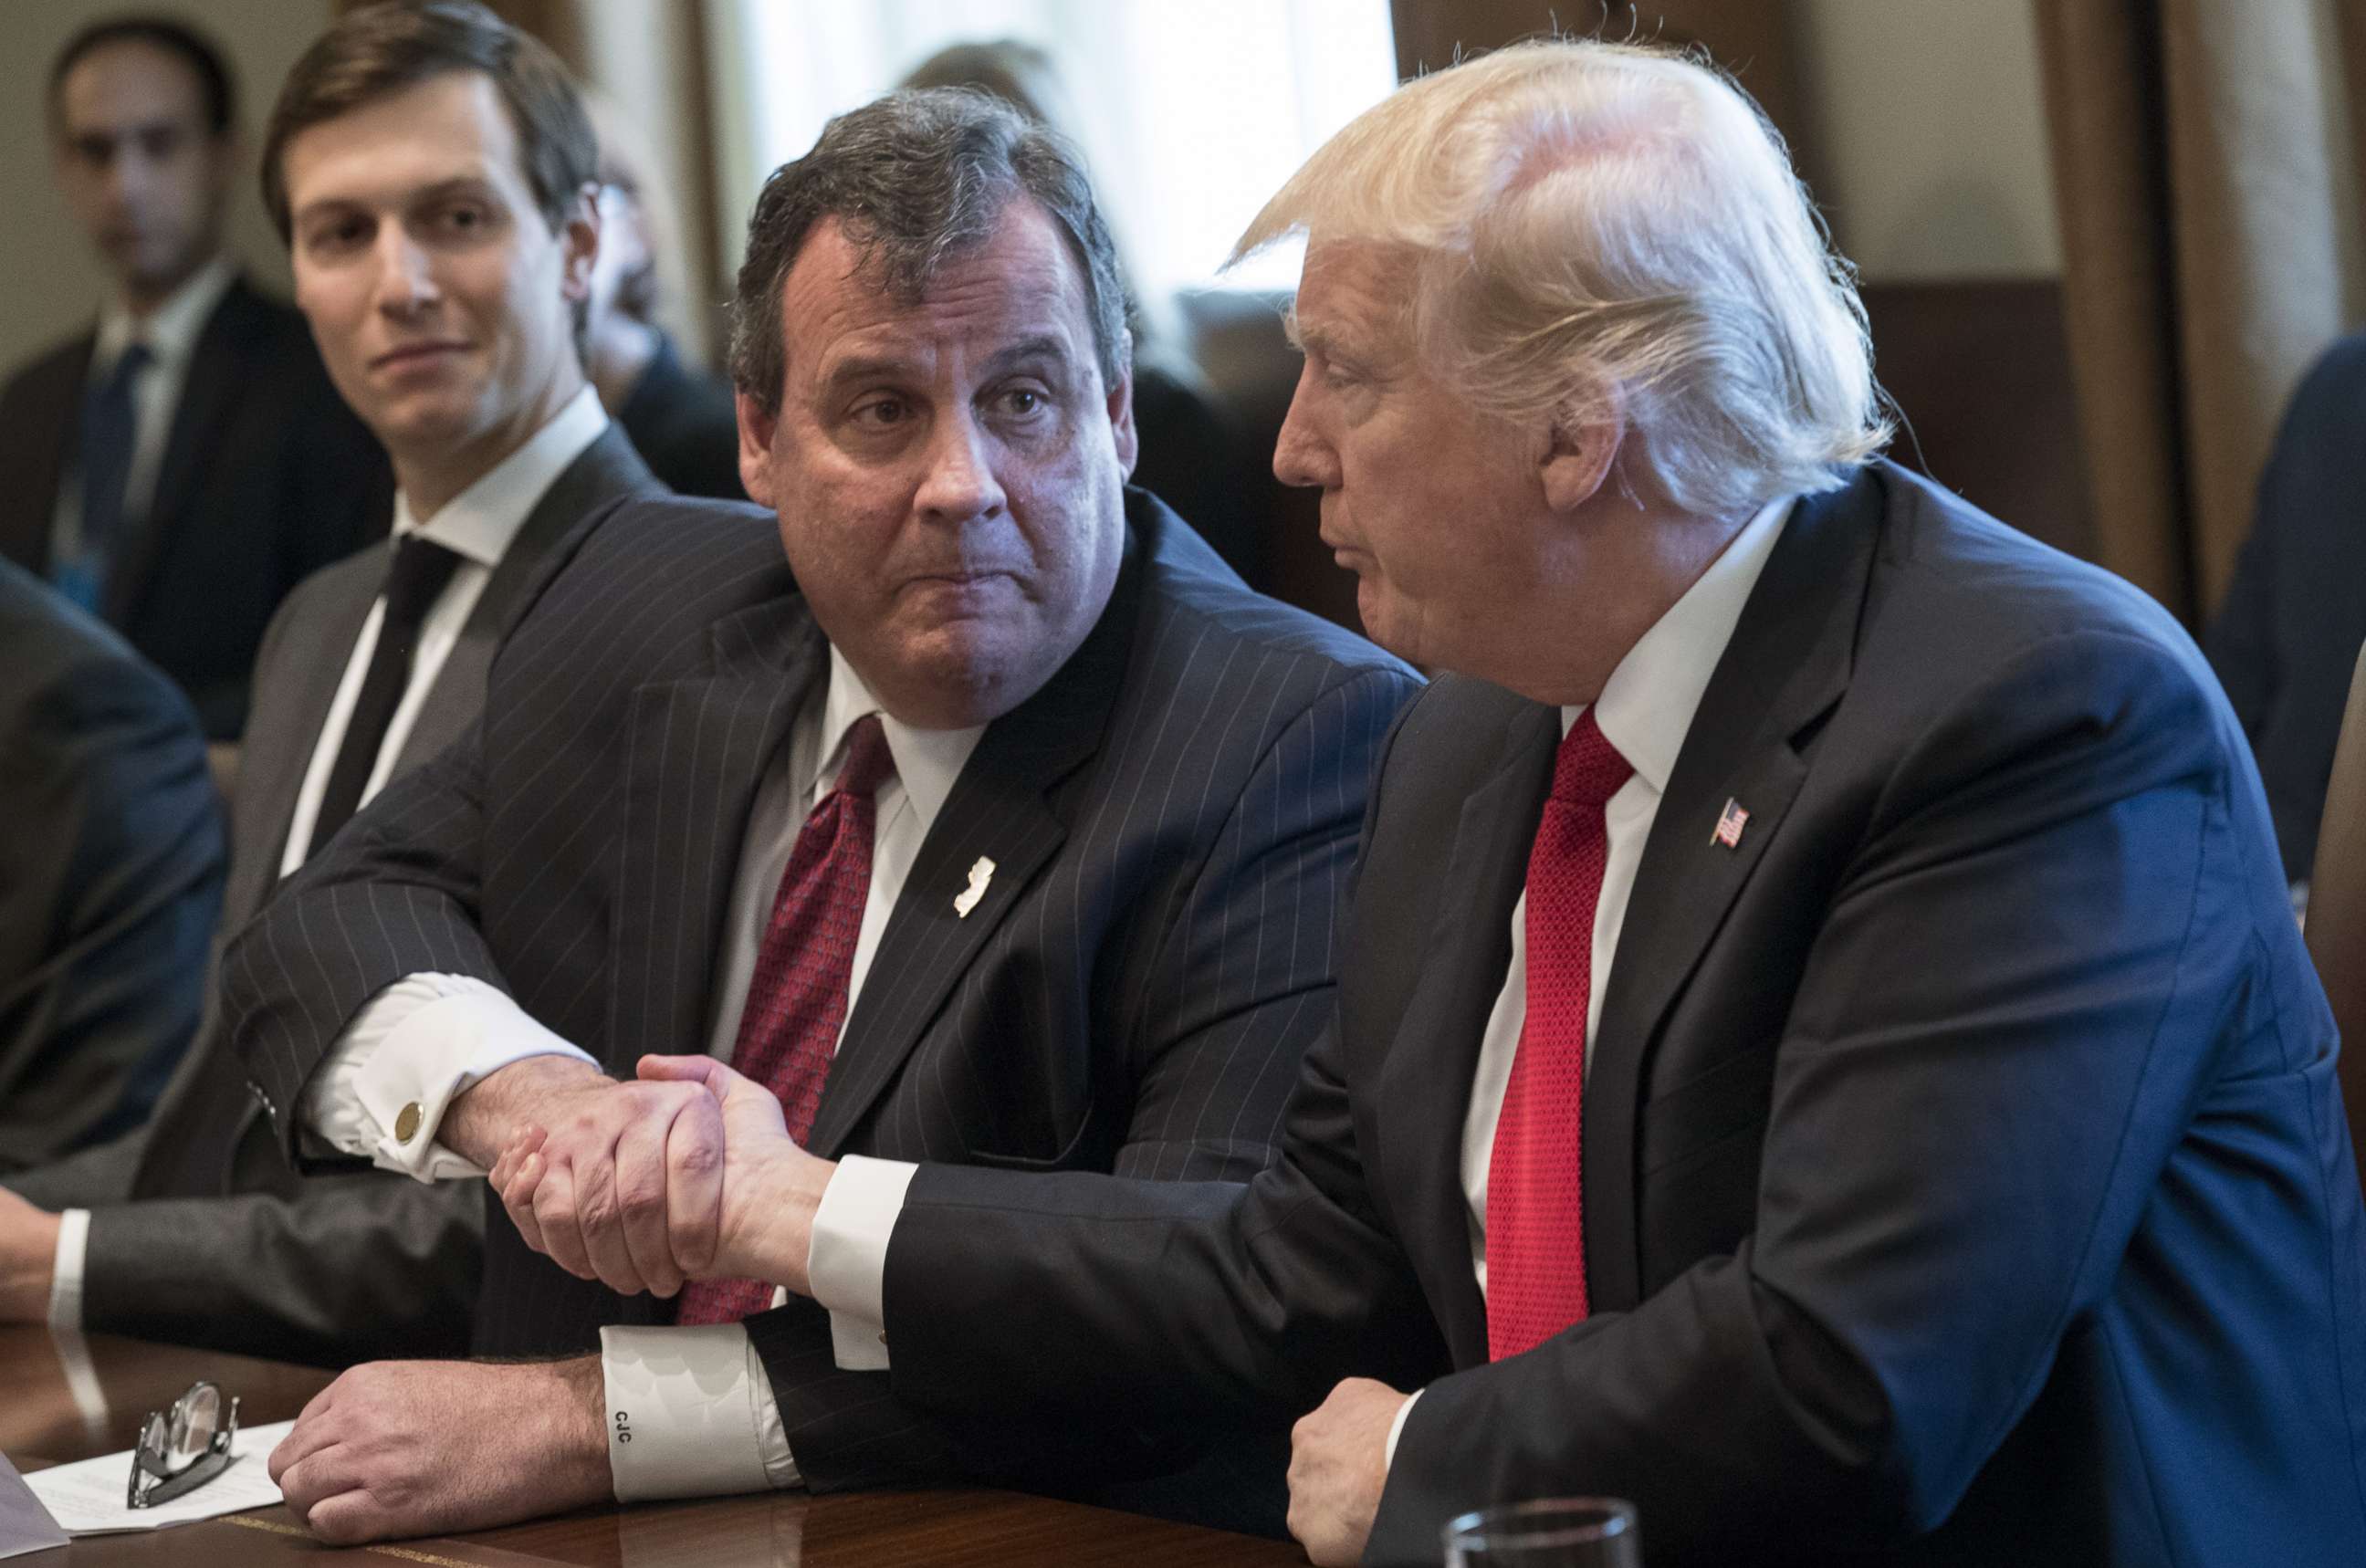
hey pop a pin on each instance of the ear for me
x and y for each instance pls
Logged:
(1578, 455)
(756, 431)
(580, 238)
(1120, 411)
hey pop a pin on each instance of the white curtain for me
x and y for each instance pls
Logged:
(1192, 114)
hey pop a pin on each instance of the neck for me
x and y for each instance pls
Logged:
(622, 350)
(429, 480)
(1597, 597)
(141, 298)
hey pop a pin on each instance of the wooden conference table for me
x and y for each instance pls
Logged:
(57, 1405)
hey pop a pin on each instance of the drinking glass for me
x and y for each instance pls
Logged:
(1556, 1532)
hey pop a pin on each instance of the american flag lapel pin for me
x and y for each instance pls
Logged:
(980, 874)
(1729, 824)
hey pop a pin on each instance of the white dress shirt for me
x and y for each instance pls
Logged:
(477, 524)
(697, 1400)
(170, 332)
(1645, 710)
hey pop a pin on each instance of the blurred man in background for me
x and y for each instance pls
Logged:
(178, 467)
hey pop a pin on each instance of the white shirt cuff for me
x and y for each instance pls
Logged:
(690, 1414)
(66, 1271)
(1396, 1430)
(416, 1044)
(847, 1263)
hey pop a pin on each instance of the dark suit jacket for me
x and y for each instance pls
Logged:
(266, 476)
(110, 876)
(683, 426)
(1965, 1177)
(225, 1246)
(1171, 818)
(2288, 635)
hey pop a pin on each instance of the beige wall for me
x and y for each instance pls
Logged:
(53, 279)
(1931, 135)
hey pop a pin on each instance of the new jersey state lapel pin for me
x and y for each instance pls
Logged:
(980, 875)
(1729, 824)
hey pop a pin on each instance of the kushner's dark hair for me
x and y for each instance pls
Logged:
(192, 48)
(915, 180)
(385, 48)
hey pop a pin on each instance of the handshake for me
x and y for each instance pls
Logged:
(688, 1174)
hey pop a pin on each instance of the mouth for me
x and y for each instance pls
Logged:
(413, 354)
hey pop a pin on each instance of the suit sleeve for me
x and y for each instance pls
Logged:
(394, 895)
(114, 845)
(2016, 997)
(1238, 985)
(351, 1269)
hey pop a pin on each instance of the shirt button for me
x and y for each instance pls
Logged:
(406, 1122)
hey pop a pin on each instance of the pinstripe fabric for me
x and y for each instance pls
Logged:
(1172, 819)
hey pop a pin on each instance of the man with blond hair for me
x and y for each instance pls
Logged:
(1821, 1051)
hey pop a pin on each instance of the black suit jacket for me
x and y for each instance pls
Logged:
(1966, 1176)
(110, 875)
(1171, 818)
(225, 1246)
(266, 476)
(683, 424)
(2287, 637)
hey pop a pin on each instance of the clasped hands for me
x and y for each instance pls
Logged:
(688, 1174)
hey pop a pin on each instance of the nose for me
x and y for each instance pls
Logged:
(405, 279)
(960, 484)
(1300, 456)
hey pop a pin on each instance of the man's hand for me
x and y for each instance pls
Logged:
(398, 1448)
(29, 1257)
(770, 1187)
(631, 1185)
(1338, 1462)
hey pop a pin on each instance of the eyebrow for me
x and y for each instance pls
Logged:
(442, 190)
(874, 366)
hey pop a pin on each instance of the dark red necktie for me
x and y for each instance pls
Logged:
(1536, 1209)
(796, 1000)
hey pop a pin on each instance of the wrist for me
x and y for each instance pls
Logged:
(482, 1117)
(28, 1267)
(772, 1239)
(578, 1435)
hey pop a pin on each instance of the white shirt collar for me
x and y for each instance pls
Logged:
(927, 761)
(170, 330)
(1648, 704)
(478, 523)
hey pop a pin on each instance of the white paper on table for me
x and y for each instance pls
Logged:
(86, 1498)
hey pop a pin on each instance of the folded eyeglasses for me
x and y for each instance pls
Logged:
(182, 1449)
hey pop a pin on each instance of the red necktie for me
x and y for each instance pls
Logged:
(1536, 1211)
(796, 1000)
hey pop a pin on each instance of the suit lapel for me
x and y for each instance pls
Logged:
(606, 471)
(218, 370)
(696, 751)
(998, 810)
(1787, 663)
(1424, 1087)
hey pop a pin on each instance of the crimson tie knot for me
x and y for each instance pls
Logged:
(1588, 770)
(868, 763)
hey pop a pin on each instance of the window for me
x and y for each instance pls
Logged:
(1192, 115)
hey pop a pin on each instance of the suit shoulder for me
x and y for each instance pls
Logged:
(1187, 585)
(41, 375)
(71, 676)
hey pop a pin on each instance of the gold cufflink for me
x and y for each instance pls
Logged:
(406, 1122)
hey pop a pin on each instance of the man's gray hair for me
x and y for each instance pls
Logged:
(915, 179)
(1611, 231)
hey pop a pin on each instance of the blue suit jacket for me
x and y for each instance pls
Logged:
(1966, 1180)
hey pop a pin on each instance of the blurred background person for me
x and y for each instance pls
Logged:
(679, 417)
(180, 465)
(1194, 455)
(2287, 637)
(110, 876)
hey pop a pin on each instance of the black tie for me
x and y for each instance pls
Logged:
(110, 428)
(421, 568)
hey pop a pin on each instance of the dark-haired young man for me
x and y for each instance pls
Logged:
(178, 467)
(433, 170)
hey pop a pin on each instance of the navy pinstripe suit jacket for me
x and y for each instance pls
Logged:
(1172, 817)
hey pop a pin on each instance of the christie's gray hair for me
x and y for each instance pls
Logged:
(915, 180)
(1611, 231)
